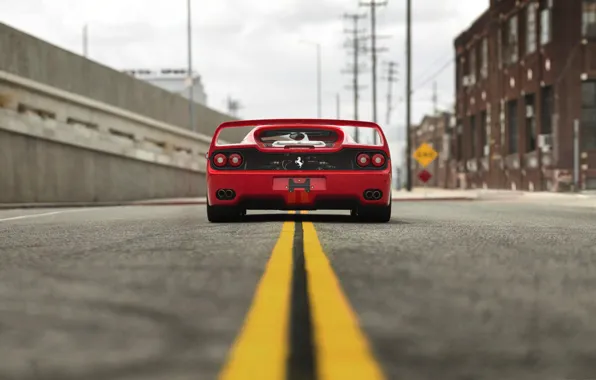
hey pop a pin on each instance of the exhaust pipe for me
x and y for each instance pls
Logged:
(376, 194)
(221, 194)
(368, 194)
(230, 194)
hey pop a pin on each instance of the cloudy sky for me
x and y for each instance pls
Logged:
(255, 50)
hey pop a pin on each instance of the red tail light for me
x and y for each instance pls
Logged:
(363, 160)
(378, 160)
(235, 160)
(220, 160)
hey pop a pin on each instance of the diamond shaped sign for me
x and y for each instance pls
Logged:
(424, 176)
(425, 154)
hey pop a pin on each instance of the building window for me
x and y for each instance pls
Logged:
(512, 40)
(482, 142)
(459, 142)
(473, 67)
(484, 59)
(588, 116)
(500, 47)
(473, 136)
(545, 22)
(513, 137)
(531, 28)
(589, 18)
(458, 75)
(548, 108)
(462, 70)
(530, 124)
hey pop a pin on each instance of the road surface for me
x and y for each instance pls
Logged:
(446, 290)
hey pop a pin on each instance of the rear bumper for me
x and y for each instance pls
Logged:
(273, 190)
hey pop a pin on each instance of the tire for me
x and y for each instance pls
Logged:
(223, 214)
(375, 214)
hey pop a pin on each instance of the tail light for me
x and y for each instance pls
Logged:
(363, 160)
(378, 160)
(220, 160)
(235, 160)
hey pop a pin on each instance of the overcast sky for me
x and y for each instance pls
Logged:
(252, 50)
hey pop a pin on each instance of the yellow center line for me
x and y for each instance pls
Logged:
(343, 351)
(261, 349)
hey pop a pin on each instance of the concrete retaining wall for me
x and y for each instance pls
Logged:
(36, 170)
(35, 59)
(60, 147)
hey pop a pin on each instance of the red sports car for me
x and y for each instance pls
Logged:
(298, 164)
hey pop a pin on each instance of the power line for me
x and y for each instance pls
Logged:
(436, 74)
(355, 45)
(437, 61)
(373, 4)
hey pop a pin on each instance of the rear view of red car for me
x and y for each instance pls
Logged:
(299, 164)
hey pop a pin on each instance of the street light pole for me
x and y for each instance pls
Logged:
(191, 107)
(319, 80)
(85, 40)
(408, 94)
(319, 100)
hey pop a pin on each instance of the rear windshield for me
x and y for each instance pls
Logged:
(299, 135)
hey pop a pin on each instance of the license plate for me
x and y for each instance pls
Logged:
(299, 184)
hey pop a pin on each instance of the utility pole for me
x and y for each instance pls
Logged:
(337, 105)
(390, 78)
(408, 94)
(317, 45)
(373, 4)
(85, 40)
(354, 44)
(191, 108)
(435, 99)
(576, 156)
(319, 90)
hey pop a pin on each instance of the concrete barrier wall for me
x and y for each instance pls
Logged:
(35, 59)
(60, 147)
(35, 170)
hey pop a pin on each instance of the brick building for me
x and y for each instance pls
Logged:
(434, 131)
(525, 76)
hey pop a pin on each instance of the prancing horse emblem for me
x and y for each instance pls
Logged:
(299, 162)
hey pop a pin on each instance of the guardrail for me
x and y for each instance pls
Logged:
(45, 112)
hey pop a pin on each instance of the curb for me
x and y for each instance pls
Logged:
(427, 199)
(166, 203)
(22, 206)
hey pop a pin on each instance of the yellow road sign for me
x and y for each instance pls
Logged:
(425, 154)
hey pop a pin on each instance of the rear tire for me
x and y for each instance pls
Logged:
(223, 214)
(375, 214)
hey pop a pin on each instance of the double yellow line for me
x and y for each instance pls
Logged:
(262, 347)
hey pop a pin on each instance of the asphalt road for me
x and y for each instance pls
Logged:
(469, 290)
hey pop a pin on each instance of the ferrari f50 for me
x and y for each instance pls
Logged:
(299, 164)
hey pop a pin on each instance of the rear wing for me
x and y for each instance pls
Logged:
(302, 122)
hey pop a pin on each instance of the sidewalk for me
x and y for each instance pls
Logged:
(585, 198)
(433, 194)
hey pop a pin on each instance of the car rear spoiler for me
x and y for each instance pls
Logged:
(305, 122)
